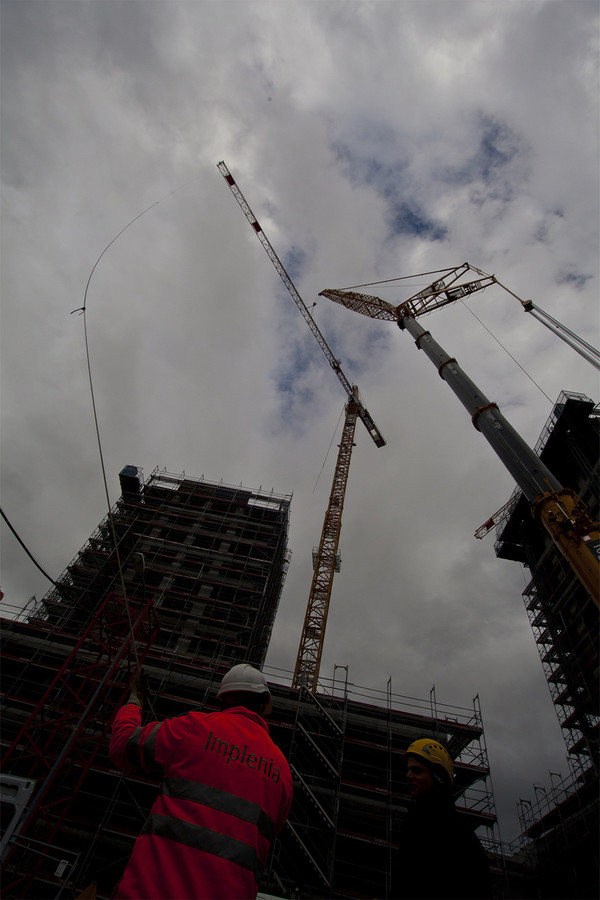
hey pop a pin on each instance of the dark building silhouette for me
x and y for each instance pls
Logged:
(560, 842)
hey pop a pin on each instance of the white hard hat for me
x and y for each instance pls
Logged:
(243, 678)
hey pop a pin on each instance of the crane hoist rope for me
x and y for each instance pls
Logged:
(308, 662)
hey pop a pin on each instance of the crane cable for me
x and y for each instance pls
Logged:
(506, 350)
(399, 278)
(329, 448)
(28, 552)
(83, 311)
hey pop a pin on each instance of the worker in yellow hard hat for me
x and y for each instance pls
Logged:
(439, 854)
(427, 763)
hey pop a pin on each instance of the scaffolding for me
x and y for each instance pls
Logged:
(212, 559)
(203, 565)
(559, 839)
(563, 620)
(65, 727)
(345, 745)
(183, 575)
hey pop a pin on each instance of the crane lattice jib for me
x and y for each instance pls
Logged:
(365, 304)
(333, 362)
(310, 650)
(446, 290)
(440, 293)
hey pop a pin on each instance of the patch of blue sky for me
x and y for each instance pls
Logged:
(294, 262)
(295, 396)
(362, 166)
(575, 279)
(375, 342)
(542, 231)
(379, 337)
(288, 379)
(373, 157)
(497, 148)
(406, 216)
(295, 364)
(496, 162)
(407, 219)
(356, 366)
(290, 374)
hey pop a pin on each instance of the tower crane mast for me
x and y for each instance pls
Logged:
(310, 650)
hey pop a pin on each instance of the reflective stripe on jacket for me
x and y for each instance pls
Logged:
(226, 792)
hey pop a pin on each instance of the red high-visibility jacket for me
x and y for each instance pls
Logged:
(226, 791)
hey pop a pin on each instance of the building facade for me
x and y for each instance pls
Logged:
(560, 827)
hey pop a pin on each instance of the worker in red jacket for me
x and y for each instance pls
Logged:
(226, 791)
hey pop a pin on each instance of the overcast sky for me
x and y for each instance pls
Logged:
(372, 140)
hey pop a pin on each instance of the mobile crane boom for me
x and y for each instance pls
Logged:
(448, 289)
(351, 390)
(560, 511)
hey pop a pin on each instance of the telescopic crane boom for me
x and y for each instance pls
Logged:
(310, 650)
(560, 511)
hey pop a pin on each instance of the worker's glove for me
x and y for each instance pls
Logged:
(139, 688)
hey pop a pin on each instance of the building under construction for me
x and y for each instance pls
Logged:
(184, 577)
(560, 827)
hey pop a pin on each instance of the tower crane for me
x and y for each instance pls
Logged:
(560, 511)
(310, 650)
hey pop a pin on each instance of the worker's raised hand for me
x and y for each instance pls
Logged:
(139, 688)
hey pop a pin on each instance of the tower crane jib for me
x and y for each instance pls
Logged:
(351, 391)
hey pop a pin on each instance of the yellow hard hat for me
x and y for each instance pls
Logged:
(434, 753)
